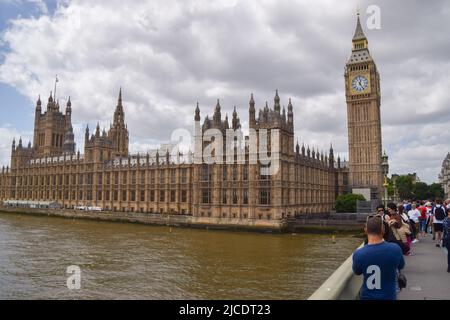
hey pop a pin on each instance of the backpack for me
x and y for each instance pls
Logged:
(439, 213)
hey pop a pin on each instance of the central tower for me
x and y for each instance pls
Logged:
(362, 90)
(51, 128)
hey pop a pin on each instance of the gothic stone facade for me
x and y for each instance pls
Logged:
(444, 176)
(108, 176)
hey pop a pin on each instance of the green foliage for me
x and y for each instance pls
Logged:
(436, 191)
(390, 188)
(407, 189)
(346, 203)
(421, 191)
(405, 186)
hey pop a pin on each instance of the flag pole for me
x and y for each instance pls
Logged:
(54, 93)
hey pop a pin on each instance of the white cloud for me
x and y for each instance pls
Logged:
(167, 55)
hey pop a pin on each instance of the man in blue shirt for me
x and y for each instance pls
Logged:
(379, 262)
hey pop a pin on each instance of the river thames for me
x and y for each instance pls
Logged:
(129, 261)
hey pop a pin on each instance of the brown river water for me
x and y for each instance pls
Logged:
(129, 261)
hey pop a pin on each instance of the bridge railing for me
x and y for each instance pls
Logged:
(343, 284)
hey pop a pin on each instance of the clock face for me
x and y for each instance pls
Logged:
(359, 83)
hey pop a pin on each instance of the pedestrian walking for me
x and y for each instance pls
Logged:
(438, 215)
(414, 215)
(429, 208)
(423, 220)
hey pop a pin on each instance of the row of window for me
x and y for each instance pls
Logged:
(244, 215)
(143, 178)
(108, 196)
(312, 196)
(133, 196)
(264, 196)
(88, 178)
(359, 67)
(207, 171)
(57, 140)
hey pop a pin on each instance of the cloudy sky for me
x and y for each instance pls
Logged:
(167, 55)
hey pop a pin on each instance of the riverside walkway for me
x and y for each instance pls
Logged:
(426, 272)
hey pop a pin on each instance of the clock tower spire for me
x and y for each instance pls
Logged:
(362, 91)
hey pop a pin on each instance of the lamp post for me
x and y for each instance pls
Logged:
(385, 171)
(396, 197)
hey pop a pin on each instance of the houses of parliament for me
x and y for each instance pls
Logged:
(106, 175)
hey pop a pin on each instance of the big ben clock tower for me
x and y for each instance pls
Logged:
(362, 91)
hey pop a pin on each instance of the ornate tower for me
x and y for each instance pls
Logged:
(69, 138)
(20, 155)
(50, 128)
(252, 113)
(99, 147)
(69, 142)
(69, 113)
(362, 89)
(37, 138)
(119, 132)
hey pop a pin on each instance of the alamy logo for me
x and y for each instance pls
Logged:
(374, 19)
(212, 146)
(74, 280)
(374, 280)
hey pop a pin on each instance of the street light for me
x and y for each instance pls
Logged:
(385, 171)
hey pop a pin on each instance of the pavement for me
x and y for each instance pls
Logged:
(426, 273)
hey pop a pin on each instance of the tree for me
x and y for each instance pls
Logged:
(408, 189)
(421, 191)
(436, 191)
(390, 188)
(346, 203)
(405, 186)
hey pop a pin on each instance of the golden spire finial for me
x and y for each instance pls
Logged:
(359, 33)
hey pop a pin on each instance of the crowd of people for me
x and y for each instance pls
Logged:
(408, 222)
(391, 233)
